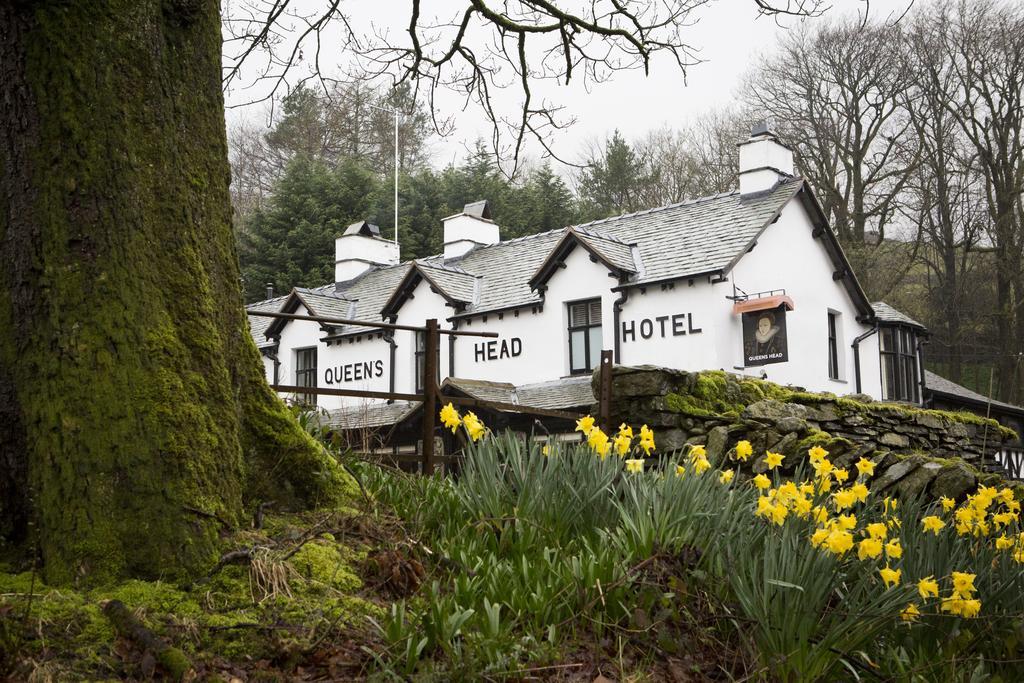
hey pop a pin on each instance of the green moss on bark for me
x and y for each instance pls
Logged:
(139, 395)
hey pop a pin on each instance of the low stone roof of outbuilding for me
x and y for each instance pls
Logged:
(939, 384)
(559, 394)
(371, 415)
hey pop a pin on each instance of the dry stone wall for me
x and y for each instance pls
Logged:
(915, 451)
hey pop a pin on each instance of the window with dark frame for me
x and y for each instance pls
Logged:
(898, 350)
(305, 373)
(584, 336)
(419, 358)
(833, 345)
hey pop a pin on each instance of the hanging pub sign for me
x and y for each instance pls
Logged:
(764, 337)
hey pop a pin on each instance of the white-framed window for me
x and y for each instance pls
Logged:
(584, 335)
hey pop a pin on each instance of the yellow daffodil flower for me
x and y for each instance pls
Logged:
(848, 522)
(450, 417)
(545, 450)
(474, 427)
(890, 576)
(625, 430)
(838, 541)
(865, 467)
(962, 606)
(726, 477)
(585, 425)
(743, 450)
(860, 491)
(877, 530)
(869, 548)
(622, 443)
(635, 465)
(841, 475)
(599, 441)
(802, 507)
(646, 440)
(779, 513)
(1002, 542)
(680, 471)
(910, 612)
(701, 465)
(762, 482)
(893, 549)
(818, 537)
(697, 451)
(806, 488)
(816, 453)
(773, 460)
(963, 583)
(928, 587)
(820, 514)
(933, 524)
(947, 503)
(843, 499)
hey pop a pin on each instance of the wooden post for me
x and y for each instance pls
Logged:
(604, 397)
(430, 349)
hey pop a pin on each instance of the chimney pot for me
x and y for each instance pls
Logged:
(270, 290)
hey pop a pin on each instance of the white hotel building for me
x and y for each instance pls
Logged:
(753, 282)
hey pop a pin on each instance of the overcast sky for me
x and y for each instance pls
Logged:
(729, 35)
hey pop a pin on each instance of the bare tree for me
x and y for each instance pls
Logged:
(479, 50)
(835, 93)
(984, 44)
(945, 196)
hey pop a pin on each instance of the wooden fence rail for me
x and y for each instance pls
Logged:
(432, 397)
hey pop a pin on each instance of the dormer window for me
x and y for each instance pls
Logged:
(898, 349)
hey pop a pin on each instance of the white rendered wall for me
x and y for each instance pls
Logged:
(424, 304)
(355, 362)
(788, 257)
(297, 334)
(543, 338)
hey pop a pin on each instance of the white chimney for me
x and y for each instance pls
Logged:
(764, 161)
(360, 248)
(469, 229)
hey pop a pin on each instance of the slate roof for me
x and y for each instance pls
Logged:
(456, 282)
(940, 384)
(691, 238)
(615, 251)
(557, 394)
(258, 324)
(326, 303)
(560, 394)
(887, 314)
(371, 415)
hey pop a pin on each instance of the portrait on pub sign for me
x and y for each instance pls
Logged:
(764, 337)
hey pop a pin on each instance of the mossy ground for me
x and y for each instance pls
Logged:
(301, 602)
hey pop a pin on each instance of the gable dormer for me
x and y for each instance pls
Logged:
(621, 259)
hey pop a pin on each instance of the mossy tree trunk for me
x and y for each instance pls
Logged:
(131, 394)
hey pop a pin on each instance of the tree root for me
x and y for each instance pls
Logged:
(173, 660)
